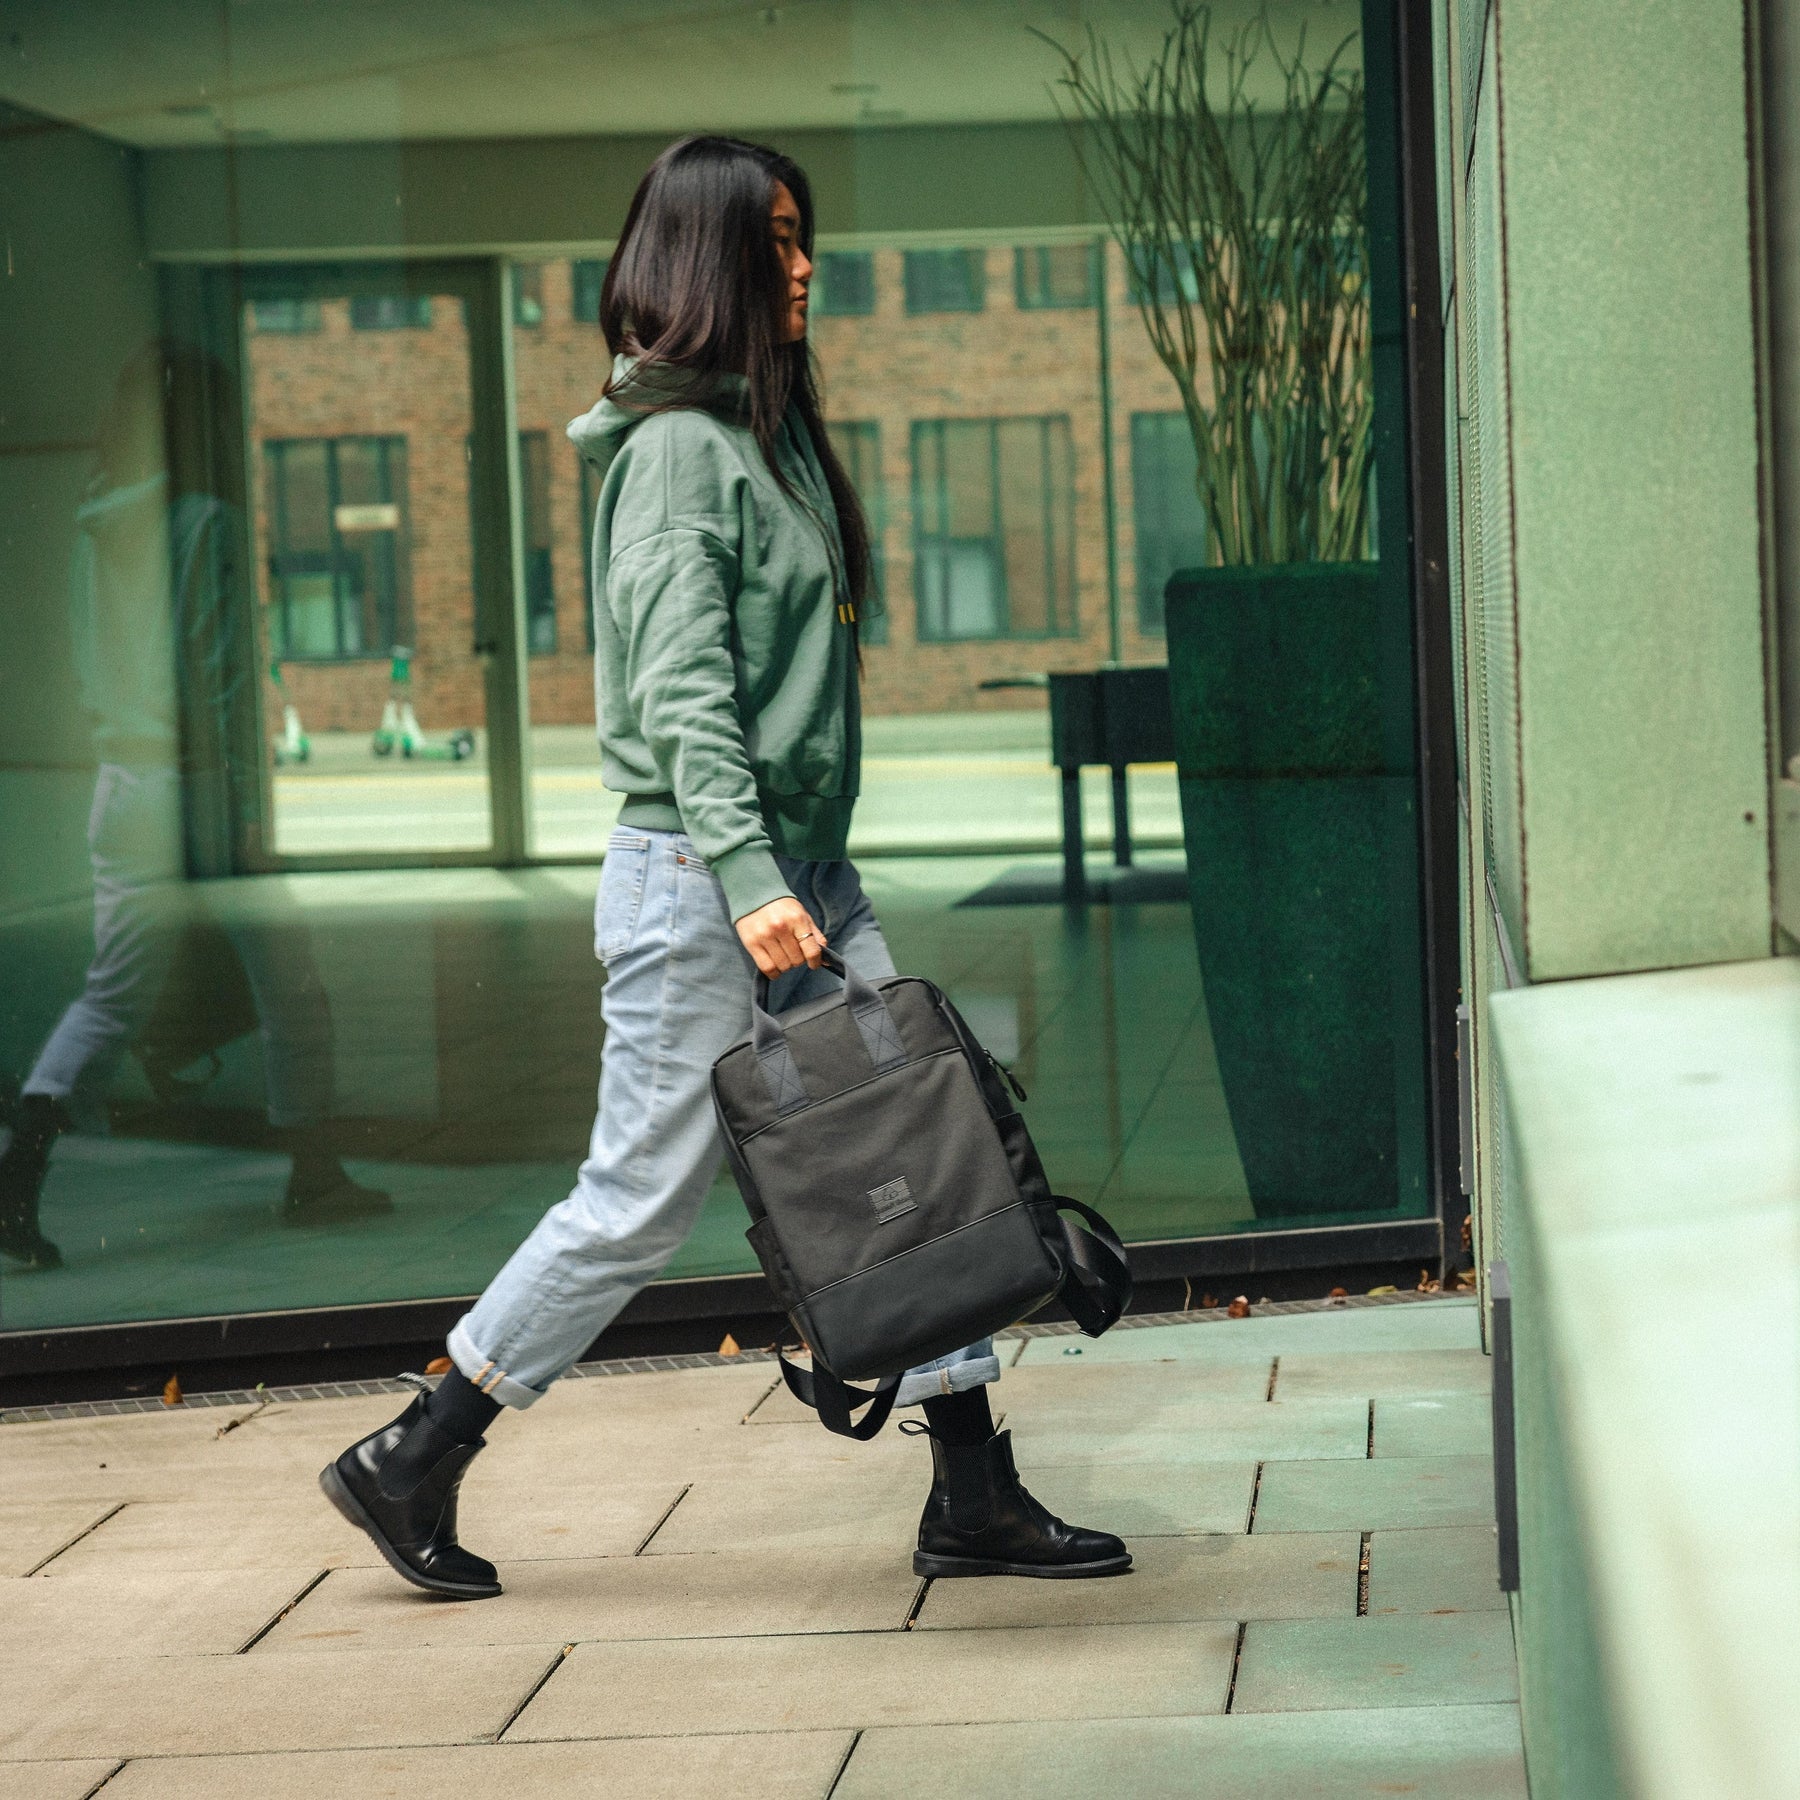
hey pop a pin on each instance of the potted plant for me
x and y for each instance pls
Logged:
(1236, 187)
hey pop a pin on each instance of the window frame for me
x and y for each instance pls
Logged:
(1150, 620)
(1035, 297)
(920, 303)
(869, 481)
(415, 309)
(527, 295)
(822, 290)
(337, 560)
(582, 271)
(537, 499)
(306, 317)
(1062, 586)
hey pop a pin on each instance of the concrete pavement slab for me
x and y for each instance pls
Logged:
(1131, 1390)
(108, 1459)
(296, 1525)
(1440, 1425)
(219, 1705)
(1427, 1753)
(544, 1447)
(1413, 1325)
(877, 1504)
(32, 1530)
(281, 1530)
(1210, 1431)
(175, 1455)
(757, 1766)
(1455, 1569)
(193, 1612)
(1383, 1374)
(716, 1396)
(1303, 1665)
(881, 1678)
(1392, 1492)
(1292, 1575)
(701, 1596)
(867, 1506)
(1137, 1391)
(54, 1780)
(1149, 1499)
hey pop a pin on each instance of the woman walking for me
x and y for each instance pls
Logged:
(730, 560)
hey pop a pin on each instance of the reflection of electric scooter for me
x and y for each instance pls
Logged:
(293, 745)
(399, 728)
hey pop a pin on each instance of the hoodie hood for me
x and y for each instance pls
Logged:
(603, 428)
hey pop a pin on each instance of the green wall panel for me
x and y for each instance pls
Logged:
(519, 193)
(1488, 526)
(1444, 114)
(1631, 369)
(78, 300)
(1472, 50)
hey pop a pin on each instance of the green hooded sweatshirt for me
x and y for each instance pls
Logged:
(724, 657)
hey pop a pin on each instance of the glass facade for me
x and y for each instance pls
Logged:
(299, 780)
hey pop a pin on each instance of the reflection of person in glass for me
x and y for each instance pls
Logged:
(730, 558)
(154, 607)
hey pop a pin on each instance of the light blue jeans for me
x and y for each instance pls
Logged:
(677, 996)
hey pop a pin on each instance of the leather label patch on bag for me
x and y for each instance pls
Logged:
(892, 1199)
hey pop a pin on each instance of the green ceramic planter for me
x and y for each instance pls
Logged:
(1293, 739)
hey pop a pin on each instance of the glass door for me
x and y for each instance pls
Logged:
(379, 489)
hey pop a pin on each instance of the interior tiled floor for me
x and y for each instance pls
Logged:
(464, 1044)
(707, 1593)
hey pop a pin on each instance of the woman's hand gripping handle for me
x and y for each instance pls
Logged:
(781, 936)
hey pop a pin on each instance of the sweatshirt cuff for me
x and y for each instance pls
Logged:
(750, 877)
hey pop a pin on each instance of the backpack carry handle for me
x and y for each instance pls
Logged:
(874, 1023)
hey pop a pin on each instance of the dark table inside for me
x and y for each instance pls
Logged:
(1112, 717)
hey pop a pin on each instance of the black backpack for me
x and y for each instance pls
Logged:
(899, 1207)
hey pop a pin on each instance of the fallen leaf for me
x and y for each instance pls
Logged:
(172, 1395)
(1238, 1309)
(1428, 1283)
(439, 1365)
(730, 1346)
(1375, 1293)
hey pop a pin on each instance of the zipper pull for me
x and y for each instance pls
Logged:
(1006, 1074)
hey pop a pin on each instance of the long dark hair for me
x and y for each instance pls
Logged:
(696, 284)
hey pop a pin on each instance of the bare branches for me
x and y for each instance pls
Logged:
(1243, 227)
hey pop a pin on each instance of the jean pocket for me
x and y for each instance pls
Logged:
(622, 878)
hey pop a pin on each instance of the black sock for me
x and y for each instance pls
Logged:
(961, 1419)
(459, 1409)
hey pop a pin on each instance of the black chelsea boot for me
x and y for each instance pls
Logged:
(980, 1520)
(399, 1485)
(37, 1122)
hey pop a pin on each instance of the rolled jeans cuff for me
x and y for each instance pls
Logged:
(480, 1370)
(921, 1384)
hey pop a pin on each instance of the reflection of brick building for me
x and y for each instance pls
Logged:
(992, 529)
